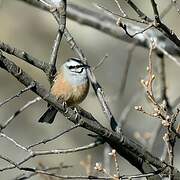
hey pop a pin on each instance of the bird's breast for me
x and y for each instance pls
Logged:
(72, 94)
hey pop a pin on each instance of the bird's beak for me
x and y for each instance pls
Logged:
(86, 66)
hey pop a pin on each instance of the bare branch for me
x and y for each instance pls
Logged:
(44, 141)
(13, 141)
(19, 111)
(60, 10)
(16, 95)
(140, 13)
(24, 56)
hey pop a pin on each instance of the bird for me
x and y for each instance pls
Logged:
(71, 84)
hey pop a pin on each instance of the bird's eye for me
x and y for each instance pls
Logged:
(71, 67)
(76, 69)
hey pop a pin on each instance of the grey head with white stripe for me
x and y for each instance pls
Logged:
(75, 71)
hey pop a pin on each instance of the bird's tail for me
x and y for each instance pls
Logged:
(49, 115)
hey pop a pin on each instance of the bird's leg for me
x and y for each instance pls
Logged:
(65, 107)
(75, 109)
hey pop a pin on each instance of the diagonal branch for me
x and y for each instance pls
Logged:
(162, 27)
(24, 56)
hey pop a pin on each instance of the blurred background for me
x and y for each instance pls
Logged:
(34, 30)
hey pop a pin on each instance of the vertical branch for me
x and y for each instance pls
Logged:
(61, 12)
(53, 58)
(58, 9)
(140, 13)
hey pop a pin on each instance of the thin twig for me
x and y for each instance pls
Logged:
(101, 61)
(44, 141)
(14, 142)
(65, 151)
(109, 12)
(29, 175)
(120, 9)
(19, 111)
(17, 95)
(128, 177)
(15, 165)
(50, 152)
(114, 156)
